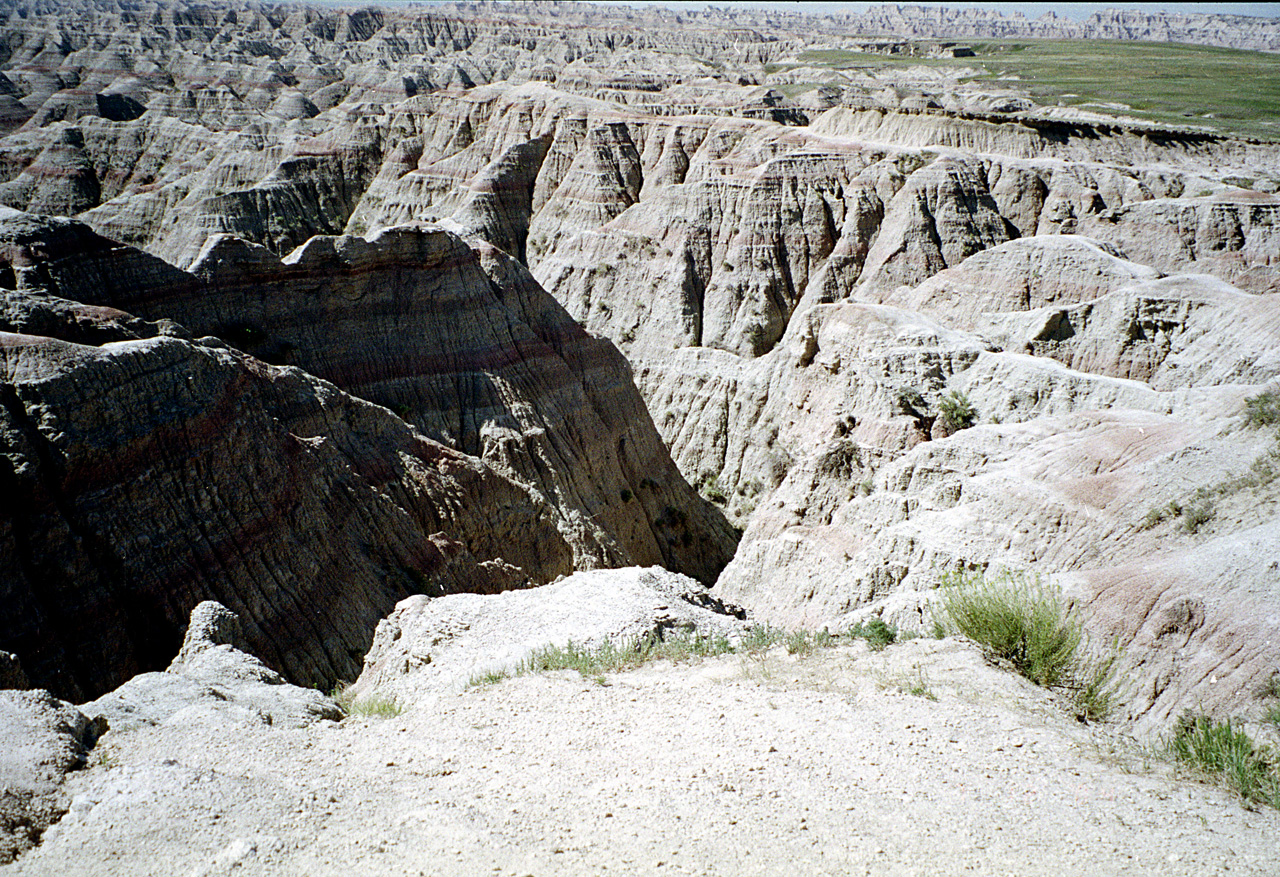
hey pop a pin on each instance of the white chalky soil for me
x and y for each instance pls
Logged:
(824, 764)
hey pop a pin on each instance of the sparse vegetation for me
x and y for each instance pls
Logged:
(372, 705)
(1158, 516)
(1224, 753)
(803, 642)
(1262, 410)
(613, 657)
(919, 686)
(1271, 691)
(956, 411)
(878, 634)
(1096, 692)
(1016, 618)
(710, 489)
(909, 401)
(1198, 512)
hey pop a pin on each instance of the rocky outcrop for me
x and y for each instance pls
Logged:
(428, 645)
(553, 463)
(385, 200)
(149, 474)
(213, 679)
(1235, 31)
(1070, 478)
(41, 740)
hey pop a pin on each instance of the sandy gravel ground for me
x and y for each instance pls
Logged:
(823, 764)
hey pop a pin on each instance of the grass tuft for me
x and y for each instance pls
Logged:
(876, 632)
(803, 642)
(919, 686)
(1223, 752)
(1097, 686)
(1262, 410)
(955, 410)
(1272, 716)
(373, 705)
(1016, 618)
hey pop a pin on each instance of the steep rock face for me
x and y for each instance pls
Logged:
(1232, 235)
(796, 301)
(943, 215)
(278, 195)
(147, 474)
(410, 320)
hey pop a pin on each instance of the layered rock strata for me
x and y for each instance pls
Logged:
(461, 343)
(796, 300)
(300, 493)
(146, 474)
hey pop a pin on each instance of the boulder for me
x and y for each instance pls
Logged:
(431, 644)
(41, 740)
(211, 679)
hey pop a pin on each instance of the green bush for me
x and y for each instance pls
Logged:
(710, 489)
(956, 411)
(1263, 409)
(876, 632)
(1225, 753)
(1014, 617)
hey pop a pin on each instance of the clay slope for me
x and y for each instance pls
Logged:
(1106, 394)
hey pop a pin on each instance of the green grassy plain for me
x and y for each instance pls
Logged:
(1230, 90)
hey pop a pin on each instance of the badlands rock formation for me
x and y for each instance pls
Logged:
(307, 329)
(367, 342)
(303, 494)
(446, 643)
(44, 739)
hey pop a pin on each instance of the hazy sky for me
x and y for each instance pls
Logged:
(1031, 10)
